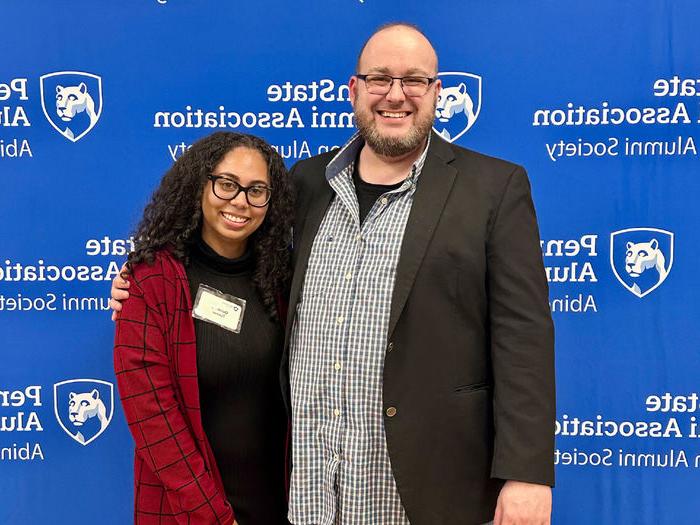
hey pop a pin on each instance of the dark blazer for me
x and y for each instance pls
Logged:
(469, 368)
(176, 480)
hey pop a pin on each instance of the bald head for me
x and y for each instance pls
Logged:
(392, 123)
(395, 40)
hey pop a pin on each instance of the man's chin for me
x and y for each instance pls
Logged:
(393, 132)
(388, 146)
(392, 141)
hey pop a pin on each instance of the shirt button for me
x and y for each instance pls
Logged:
(384, 200)
(337, 366)
(336, 412)
(340, 319)
(348, 276)
(390, 346)
(358, 237)
(336, 457)
(391, 411)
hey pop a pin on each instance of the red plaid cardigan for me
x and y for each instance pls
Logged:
(176, 480)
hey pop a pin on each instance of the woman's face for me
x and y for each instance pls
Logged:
(226, 225)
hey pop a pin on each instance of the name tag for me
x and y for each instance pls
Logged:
(219, 308)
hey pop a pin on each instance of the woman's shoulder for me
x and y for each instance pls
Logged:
(164, 268)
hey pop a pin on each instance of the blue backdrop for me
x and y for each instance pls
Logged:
(599, 100)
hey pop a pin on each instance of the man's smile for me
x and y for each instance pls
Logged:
(394, 114)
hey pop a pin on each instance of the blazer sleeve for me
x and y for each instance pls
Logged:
(522, 340)
(163, 437)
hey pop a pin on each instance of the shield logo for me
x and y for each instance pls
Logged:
(641, 258)
(458, 105)
(83, 407)
(72, 102)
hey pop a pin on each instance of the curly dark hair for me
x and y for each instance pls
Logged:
(173, 217)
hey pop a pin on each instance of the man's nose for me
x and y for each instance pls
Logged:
(396, 93)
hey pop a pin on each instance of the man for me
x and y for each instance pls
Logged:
(418, 363)
(419, 335)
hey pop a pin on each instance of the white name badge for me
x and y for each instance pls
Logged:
(218, 308)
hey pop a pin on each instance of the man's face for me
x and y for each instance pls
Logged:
(394, 125)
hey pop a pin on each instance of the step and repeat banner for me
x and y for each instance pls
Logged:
(600, 101)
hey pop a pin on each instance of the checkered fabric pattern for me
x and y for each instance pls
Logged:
(175, 476)
(341, 470)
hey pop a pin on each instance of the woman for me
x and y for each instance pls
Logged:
(202, 328)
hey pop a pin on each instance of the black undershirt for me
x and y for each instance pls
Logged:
(240, 397)
(367, 194)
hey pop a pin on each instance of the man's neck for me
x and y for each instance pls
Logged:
(379, 169)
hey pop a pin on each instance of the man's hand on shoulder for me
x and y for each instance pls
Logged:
(521, 503)
(119, 293)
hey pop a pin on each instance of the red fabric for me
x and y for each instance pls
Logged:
(175, 475)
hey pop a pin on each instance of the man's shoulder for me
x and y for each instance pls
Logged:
(465, 159)
(311, 173)
(314, 164)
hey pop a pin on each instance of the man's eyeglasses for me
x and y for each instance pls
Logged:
(412, 86)
(227, 189)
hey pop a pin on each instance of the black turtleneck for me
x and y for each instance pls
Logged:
(242, 409)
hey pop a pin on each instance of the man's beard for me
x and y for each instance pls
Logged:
(393, 146)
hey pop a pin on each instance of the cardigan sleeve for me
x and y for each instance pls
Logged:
(157, 421)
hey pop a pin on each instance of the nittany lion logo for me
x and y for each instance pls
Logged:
(84, 407)
(72, 102)
(458, 104)
(641, 258)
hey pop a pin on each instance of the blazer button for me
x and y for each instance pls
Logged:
(390, 346)
(391, 411)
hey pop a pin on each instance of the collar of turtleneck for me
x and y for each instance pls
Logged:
(203, 253)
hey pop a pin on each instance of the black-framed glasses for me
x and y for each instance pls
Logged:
(257, 195)
(413, 86)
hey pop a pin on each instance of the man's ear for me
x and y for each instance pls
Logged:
(352, 85)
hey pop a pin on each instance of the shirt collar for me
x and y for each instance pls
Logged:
(348, 153)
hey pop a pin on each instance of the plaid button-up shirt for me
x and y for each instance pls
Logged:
(341, 469)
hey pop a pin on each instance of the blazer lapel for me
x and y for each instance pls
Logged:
(433, 187)
(318, 205)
